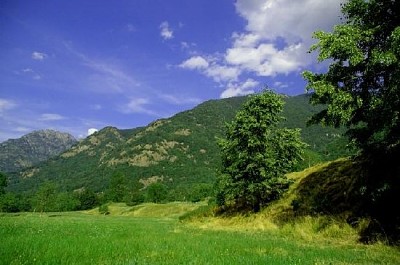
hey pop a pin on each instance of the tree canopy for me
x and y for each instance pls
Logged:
(256, 154)
(361, 90)
(362, 85)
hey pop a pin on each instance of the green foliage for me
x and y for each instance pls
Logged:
(182, 150)
(156, 192)
(44, 199)
(362, 86)
(9, 203)
(87, 199)
(200, 191)
(3, 183)
(256, 154)
(361, 90)
(66, 201)
(117, 189)
(103, 209)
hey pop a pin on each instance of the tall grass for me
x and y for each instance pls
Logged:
(82, 238)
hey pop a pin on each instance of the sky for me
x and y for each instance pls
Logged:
(78, 66)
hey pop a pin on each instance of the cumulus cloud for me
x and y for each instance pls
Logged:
(195, 62)
(275, 41)
(240, 89)
(294, 21)
(51, 117)
(212, 68)
(91, 131)
(166, 32)
(279, 33)
(39, 56)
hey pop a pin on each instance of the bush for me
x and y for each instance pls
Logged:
(103, 209)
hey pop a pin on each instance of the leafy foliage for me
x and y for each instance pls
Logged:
(156, 192)
(3, 183)
(117, 188)
(256, 154)
(361, 88)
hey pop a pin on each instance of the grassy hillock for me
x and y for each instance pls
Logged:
(326, 200)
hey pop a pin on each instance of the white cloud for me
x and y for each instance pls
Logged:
(39, 56)
(295, 21)
(91, 131)
(275, 41)
(51, 117)
(211, 68)
(166, 32)
(6, 104)
(195, 62)
(222, 73)
(240, 89)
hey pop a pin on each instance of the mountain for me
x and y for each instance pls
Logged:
(180, 152)
(33, 148)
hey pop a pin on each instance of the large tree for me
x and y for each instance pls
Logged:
(361, 88)
(256, 154)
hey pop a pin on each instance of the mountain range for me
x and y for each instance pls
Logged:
(180, 152)
(33, 148)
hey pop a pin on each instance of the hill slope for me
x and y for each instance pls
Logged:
(181, 152)
(33, 148)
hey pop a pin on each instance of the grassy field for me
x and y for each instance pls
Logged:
(153, 234)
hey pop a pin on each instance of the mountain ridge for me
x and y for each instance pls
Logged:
(33, 148)
(180, 152)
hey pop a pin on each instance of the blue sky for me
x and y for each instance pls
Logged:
(72, 65)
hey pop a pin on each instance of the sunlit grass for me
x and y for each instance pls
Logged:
(82, 238)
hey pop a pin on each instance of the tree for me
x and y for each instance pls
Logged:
(256, 154)
(44, 199)
(361, 90)
(156, 192)
(87, 199)
(3, 183)
(362, 85)
(117, 189)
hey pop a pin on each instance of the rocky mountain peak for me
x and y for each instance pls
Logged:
(33, 148)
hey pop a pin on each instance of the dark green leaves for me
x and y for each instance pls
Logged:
(256, 154)
(362, 85)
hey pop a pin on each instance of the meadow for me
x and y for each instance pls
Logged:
(154, 234)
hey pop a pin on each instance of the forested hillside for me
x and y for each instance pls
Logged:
(181, 152)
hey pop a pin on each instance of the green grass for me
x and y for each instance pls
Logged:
(134, 235)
